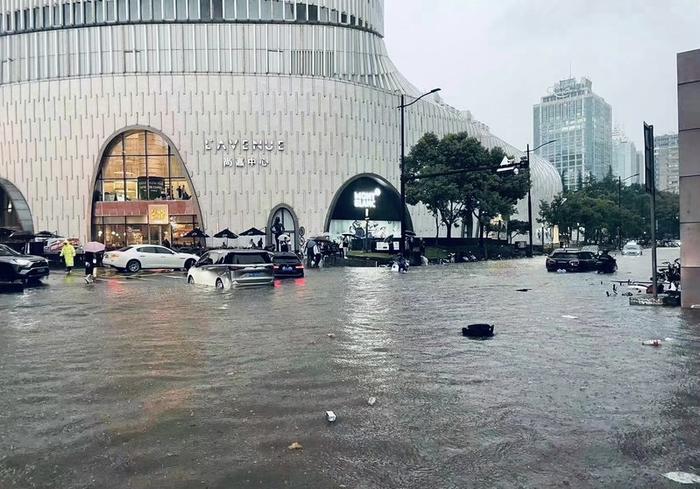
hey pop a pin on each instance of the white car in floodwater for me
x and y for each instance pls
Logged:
(134, 258)
(632, 249)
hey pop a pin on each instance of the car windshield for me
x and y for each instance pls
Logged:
(126, 248)
(7, 251)
(631, 247)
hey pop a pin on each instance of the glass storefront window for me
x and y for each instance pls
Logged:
(135, 166)
(136, 234)
(114, 235)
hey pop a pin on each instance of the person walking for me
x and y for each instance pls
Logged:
(317, 256)
(68, 255)
(346, 246)
(260, 243)
(90, 264)
(166, 243)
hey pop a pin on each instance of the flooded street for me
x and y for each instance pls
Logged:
(147, 382)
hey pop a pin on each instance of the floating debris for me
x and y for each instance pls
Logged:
(295, 446)
(683, 477)
(651, 343)
(331, 417)
(568, 316)
(372, 401)
(331, 335)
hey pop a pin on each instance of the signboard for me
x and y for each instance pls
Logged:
(367, 200)
(158, 214)
(649, 164)
(382, 246)
(241, 153)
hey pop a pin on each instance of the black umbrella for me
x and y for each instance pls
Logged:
(46, 234)
(253, 232)
(226, 234)
(196, 233)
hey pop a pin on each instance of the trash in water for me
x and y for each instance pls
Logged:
(652, 343)
(331, 417)
(372, 401)
(668, 339)
(523, 290)
(478, 331)
(331, 335)
(567, 316)
(295, 446)
(683, 477)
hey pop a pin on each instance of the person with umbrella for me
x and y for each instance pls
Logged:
(92, 251)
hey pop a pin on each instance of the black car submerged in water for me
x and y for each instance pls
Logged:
(571, 261)
(287, 265)
(17, 266)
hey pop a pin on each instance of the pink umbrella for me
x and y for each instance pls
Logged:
(93, 247)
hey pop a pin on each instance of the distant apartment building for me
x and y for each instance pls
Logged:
(625, 159)
(581, 123)
(666, 161)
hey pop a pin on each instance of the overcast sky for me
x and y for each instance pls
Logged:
(498, 57)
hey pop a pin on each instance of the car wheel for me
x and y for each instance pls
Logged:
(190, 280)
(133, 266)
(188, 264)
(219, 284)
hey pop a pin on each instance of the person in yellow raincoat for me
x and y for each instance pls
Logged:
(68, 254)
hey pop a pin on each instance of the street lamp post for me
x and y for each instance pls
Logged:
(619, 208)
(529, 192)
(402, 107)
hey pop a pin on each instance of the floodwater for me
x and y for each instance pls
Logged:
(147, 382)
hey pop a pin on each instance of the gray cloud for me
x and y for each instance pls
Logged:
(497, 58)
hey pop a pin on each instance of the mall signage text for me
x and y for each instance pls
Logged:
(262, 147)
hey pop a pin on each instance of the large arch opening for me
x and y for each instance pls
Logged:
(143, 193)
(283, 222)
(366, 205)
(14, 210)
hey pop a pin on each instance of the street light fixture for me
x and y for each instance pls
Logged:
(529, 191)
(619, 208)
(402, 244)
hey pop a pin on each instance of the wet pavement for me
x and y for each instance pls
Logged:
(147, 382)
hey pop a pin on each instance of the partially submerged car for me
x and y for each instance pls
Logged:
(571, 260)
(18, 266)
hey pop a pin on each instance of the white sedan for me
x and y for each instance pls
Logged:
(134, 258)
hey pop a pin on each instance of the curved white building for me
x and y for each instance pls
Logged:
(134, 120)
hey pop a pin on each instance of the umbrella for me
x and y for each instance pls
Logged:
(253, 232)
(46, 234)
(285, 237)
(226, 234)
(310, 243)
(93, 247)
(196, 233)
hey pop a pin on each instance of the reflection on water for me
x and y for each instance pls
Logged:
(147, 382)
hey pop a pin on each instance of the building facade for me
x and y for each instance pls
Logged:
(666, 161)
(580, 123)
(689, 181)
(625, 159)
(129, 121)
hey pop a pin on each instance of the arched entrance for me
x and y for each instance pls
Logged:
(283, 220)
(367, 204)
(143, 193)
(14, 210)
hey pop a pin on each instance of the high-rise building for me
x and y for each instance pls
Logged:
(625, 160)
(581, 123)
(666, 161)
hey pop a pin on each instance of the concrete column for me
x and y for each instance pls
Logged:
(689, 147)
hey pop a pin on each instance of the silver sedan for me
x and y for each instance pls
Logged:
(225, 269)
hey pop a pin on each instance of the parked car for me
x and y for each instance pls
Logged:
(571, 261)
(632, 249)
(224, 269)
(287, 265)
(134, 258)
(18, 266)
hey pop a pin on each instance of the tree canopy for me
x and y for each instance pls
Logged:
(482, 193)
(594, 209)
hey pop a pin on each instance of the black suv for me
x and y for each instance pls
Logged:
(17, 266)
(571, 261)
